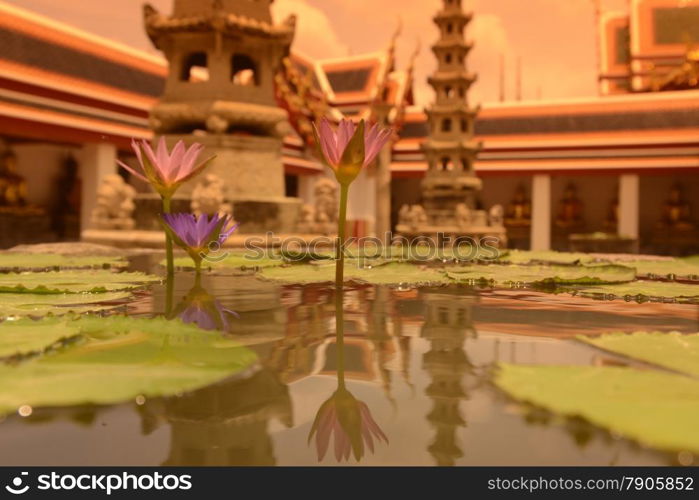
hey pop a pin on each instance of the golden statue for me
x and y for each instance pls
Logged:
(612, 221)
(570, 213)
(519, 211)
(676, 211)
(13, 187)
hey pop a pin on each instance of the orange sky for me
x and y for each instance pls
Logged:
(555, 39)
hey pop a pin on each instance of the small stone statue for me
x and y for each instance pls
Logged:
(209, 197)
(115, 205)
(463, 215)
(307, 219)
(326, 200)
(320, 218)
(496, 215)
(412, 216)
(419, 216)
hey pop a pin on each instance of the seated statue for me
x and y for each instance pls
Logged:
(676, 211)
(519, 211)
(570, 214)
(321, 217)
(13, 187)
(115, 204)
(209, 197)
(496, 215)
(612, 221)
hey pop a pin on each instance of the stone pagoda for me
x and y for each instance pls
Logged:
(450, 188)
(223, 56)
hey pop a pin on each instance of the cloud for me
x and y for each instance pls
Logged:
(315, 35)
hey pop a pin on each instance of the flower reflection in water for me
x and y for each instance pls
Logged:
(203, 309)
(352, 424)
(343, 415)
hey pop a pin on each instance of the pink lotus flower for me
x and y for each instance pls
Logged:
(166, 171)
(352, 424)
(351, 147)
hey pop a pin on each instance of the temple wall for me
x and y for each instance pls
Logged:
(40, 165)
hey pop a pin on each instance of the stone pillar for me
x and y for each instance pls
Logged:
(383, 193)
(629, 187)
(306, 188)
(541, 212)
(97, 161)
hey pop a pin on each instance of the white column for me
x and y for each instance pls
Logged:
(97, 161)
(541, 212)
(629, 188)
(361, 203)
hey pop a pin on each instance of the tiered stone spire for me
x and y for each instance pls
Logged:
(450, 148)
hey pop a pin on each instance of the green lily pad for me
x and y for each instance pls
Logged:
(20, 338)
(121, 358)
(12, 261)
(73, 282)
(665, 269)
(654, 408)
(544, 256)
(670, 350)
(233, 260)
(14, 305)
(542, 275)
(387, 274)
(643, 290)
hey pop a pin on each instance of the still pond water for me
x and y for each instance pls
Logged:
(419, 358)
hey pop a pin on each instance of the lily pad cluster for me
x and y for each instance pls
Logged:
(37, 294)
(657, 407)
(587, 275)
(16, 261)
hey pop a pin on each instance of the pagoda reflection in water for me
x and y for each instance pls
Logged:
(448, 323)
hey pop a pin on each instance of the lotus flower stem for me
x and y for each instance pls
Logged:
(167, 207)
(339, 286)
(169, 295)
(341, 235)
(340, 336)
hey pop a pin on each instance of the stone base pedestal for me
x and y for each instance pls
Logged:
(279, 215)
(250, 167)
(448, 235)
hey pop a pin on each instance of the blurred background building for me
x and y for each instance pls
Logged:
(613, 172)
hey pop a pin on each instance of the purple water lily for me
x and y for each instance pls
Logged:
(198, 236)
(206, 312)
